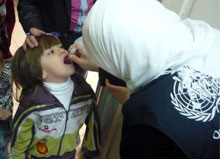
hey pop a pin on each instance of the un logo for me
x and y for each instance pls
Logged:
(196, 95)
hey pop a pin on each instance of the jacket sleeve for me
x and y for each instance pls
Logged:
(92, 138)
(29, 13)
(22, 133)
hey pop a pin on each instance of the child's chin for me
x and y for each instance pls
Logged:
(73, 71)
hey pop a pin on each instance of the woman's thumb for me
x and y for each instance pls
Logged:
(79, 47)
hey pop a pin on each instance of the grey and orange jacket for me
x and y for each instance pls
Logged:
(43, 128)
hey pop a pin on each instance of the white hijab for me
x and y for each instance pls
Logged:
(138, 40)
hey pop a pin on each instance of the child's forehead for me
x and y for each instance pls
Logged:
(55, 45)
(48, 41)
(52, 46)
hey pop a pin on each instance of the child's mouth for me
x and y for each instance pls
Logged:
(67, 60)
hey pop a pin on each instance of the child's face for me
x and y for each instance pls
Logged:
(54, 68)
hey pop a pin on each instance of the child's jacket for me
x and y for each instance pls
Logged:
(44, 129)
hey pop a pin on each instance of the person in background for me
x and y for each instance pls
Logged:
(63, 16)
(55, 102)
(6, 106)
(171, 70)
(7, 22)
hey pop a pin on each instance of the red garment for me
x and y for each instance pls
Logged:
(7, 22)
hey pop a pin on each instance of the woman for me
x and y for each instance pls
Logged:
(171, 68)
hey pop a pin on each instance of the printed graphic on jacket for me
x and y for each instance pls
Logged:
(42, 148)
(196, 96)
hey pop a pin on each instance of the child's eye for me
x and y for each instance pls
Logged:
(51, 52)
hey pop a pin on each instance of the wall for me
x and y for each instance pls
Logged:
(207, 10)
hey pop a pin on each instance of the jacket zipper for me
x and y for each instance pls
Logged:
(61, 141)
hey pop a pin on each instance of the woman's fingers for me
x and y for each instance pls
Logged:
(119, 92)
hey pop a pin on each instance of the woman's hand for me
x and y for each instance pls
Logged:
(81, 57)
(119, 92)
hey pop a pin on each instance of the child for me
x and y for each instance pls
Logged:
(54, 104)
(6, 105)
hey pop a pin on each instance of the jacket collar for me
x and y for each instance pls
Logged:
(42, 96)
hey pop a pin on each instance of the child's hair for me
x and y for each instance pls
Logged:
(26, 67)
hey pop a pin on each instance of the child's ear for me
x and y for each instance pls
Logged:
(44, 75)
